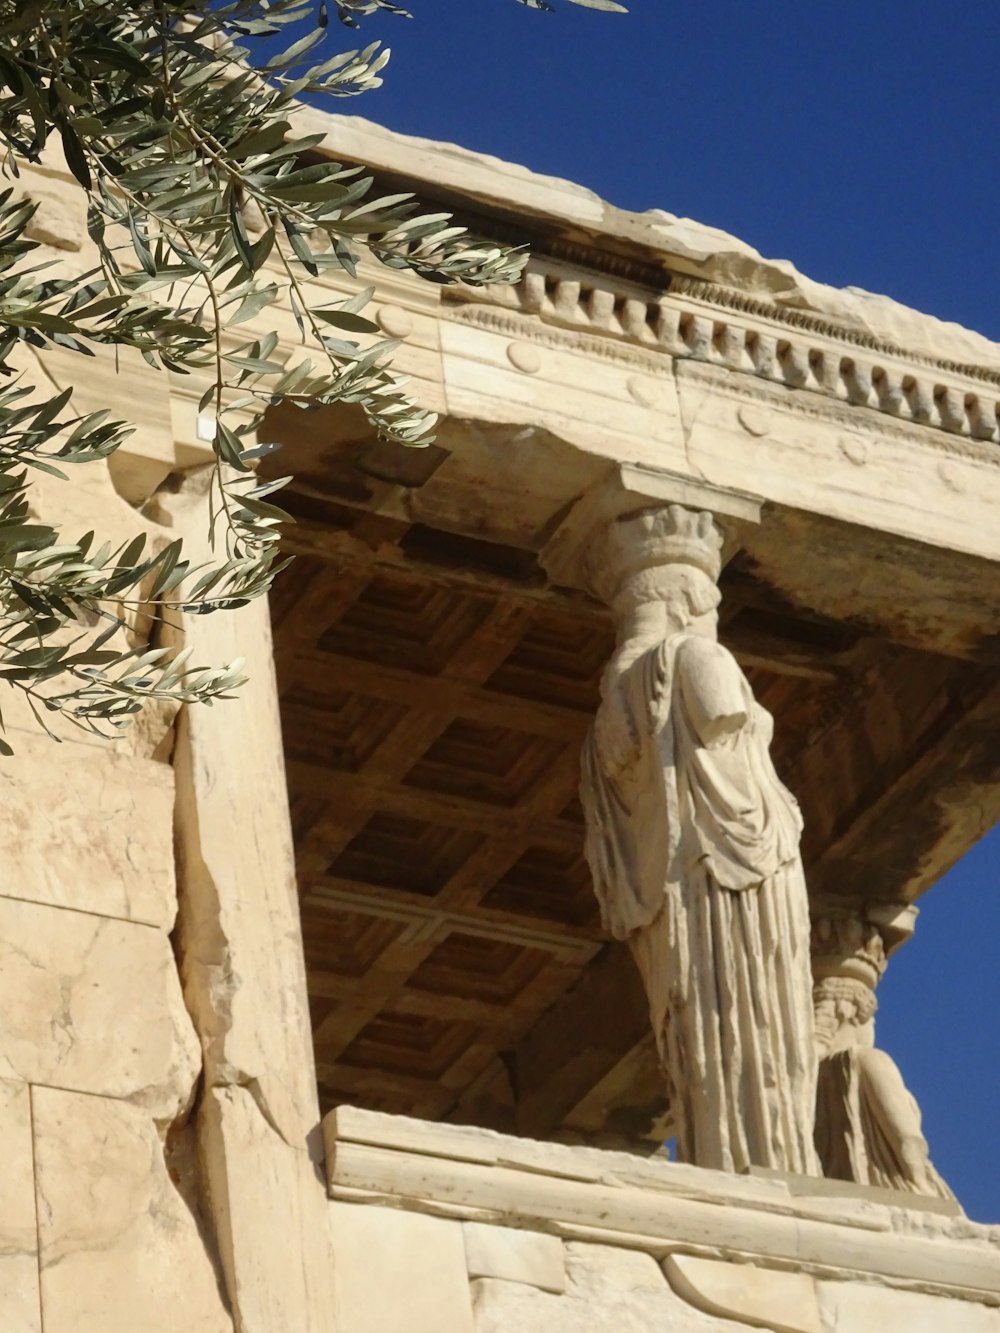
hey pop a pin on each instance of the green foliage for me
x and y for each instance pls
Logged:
(609, 6)
(195, 181)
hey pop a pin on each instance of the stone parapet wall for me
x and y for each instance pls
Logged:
(448, 1229)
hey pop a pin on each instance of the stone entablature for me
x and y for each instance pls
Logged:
(707, 382)
(643, 339)
(706, 322)
(650, 339)
(488, 1223)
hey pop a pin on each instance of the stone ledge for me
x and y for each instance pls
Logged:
(706, 256)
(655, 1206)
(804, 1187)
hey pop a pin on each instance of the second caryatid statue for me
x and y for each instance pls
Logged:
(693, 843)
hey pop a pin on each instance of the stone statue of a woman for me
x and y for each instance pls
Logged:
(693, 842)
(868, 1124)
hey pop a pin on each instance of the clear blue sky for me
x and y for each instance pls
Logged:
(859, 139)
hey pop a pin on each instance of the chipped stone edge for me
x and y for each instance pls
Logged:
(651, 1205)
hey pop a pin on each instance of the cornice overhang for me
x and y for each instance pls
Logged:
(651, 340)
(564, 220)
(700, 379)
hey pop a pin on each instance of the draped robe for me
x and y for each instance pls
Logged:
(692, 841)
(868, 1124)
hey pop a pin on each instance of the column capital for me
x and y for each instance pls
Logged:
(630, 490)
(855, 940)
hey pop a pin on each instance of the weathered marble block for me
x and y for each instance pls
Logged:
(20, 1305)
(120, 1251)
(88, 828)
(609, 1291)
(267, 1191)
(399, 1272)
(94, 1005)
(515, 1256)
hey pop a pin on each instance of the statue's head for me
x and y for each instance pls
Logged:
(843, 1008)
(689, 596)
(668, 557)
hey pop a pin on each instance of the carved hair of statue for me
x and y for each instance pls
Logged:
(685, 591)
(641, 552)
(841, 1002)
(848, 960)
(846, 944)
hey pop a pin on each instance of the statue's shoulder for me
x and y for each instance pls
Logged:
(695, 653)
(876, 1063)
(712, 686)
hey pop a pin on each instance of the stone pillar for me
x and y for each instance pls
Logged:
(239, 944)
(100, 1225)
(693, 845)
(867, 1123)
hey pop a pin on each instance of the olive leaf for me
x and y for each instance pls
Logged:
(205, 209)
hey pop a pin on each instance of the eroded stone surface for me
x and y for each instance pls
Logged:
(100, 841)
(609, 1266)
(20, 1307)
(515, 1256)
(243, 972)
(93, 1005)
(763, 1298)
(240, 935)
(609, 1291)
(400, 1272)
(850, 1307)
(120, 1252)
(267, 1193)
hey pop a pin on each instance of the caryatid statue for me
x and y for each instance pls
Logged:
(693, 843)
(868, 1124)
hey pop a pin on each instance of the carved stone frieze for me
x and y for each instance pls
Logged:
(805, 320)
(514, 324)
(705, 322)
(770, 397)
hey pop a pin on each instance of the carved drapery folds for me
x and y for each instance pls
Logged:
(868, 1126)
(693, 845)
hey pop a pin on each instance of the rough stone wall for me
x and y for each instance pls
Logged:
(157, 1093)
(101, 1227)
(157, 1090)
(407, 1272)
